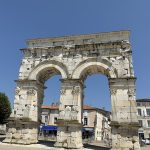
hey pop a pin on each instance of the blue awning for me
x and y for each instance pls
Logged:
(49, 128)
(87, 129)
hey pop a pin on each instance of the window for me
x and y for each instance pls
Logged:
(138, 104)
(139, 112)
(148, 122)
(144, 104)
(46, 119)
(85, 121)
(141, 123)
(148, 112)
(55, 119)
(144, 113)
(141, 135)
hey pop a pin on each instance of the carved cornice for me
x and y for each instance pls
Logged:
(76, 90)
(63, 91)
(113, 91)
(17, 91)
(80, 39)
(31, 92)
(116, 46)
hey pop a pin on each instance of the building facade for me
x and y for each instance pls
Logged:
(95, 122)
(143, 108)
(2, 128)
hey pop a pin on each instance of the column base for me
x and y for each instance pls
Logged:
(69, 137)
(125, 136)
(21, 132)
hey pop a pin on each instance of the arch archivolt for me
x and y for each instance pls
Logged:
(93, 67)
(47, 69)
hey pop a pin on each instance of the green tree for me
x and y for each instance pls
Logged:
(5, 108)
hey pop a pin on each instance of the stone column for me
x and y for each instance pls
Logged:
(124, 121)
(69, 132)
(24, 120)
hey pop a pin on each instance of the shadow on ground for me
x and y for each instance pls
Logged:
(2, 137)
(51, 144)
(46, 143)
(92, 147)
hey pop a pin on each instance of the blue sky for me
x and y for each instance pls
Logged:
(21, 20)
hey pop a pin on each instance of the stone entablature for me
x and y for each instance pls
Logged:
(104, 37)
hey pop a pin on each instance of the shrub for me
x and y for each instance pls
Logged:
(5, 108)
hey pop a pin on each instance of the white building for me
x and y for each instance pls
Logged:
(95, 121)
(2, 128)
(143, 108)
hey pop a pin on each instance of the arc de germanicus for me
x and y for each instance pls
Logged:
(74, 58)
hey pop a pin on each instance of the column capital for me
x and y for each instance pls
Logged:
(113, 91)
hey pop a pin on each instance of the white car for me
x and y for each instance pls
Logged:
(146, 141)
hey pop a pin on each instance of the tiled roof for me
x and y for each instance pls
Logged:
(143, 100)
(50, 107)
(85, 107)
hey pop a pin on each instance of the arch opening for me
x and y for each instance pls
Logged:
(96, 103)
(96, 91)
(50, 109)
(47, 75)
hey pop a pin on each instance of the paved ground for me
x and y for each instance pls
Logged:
(42, 145)
(4, 146)
(147, 147)
(49, 146)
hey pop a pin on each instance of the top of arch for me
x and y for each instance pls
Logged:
(102, 37)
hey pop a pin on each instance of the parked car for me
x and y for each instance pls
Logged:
(146, 141)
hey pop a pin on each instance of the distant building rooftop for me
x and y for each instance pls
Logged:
(85, 107)
(143, 100)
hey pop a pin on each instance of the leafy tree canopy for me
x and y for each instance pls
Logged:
(5, 108)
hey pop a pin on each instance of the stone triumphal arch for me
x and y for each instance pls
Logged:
(74, 58)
